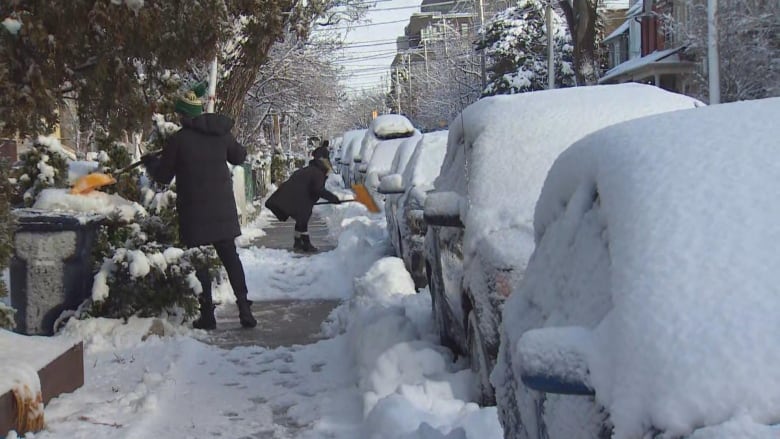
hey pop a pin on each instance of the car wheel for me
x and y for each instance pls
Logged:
(479, 362)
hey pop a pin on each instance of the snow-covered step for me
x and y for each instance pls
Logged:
(35, 370)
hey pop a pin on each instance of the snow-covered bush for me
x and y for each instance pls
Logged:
(278, 168)
(43, 166)
(141, 277)
(141, 267)
(515, 41)
(113, 156)
(6, 245)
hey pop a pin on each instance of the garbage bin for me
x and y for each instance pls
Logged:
(51, 269)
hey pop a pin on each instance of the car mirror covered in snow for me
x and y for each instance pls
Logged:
(444, 209)
(554, 360)
(391, 184)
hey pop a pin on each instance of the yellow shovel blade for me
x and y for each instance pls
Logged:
(363, 197)
(90, 182)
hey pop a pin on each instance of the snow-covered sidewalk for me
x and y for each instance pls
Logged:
(379, 373)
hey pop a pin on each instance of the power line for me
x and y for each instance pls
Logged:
(396, 8)
(367, 25)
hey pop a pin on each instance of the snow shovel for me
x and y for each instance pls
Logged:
(361, 196)
(87, 183)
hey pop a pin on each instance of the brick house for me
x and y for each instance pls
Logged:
(643, 50)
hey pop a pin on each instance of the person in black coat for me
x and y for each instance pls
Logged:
(196, 155)
(296, 197)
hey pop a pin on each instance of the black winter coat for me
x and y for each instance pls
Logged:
(196, 156)
(296, 197)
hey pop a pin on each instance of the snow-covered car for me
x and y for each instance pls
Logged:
(381, 161)
(349, 149)
(385, 128)
(480, 215)
(647, 304)
(405, 197)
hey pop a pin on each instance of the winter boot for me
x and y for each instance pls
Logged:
(298, 246)
(245, 313)
(206, 320)
(307, 247)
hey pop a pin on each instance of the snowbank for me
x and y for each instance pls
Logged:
(412, 387)
(660, 236)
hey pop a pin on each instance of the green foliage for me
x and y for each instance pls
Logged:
(6, 224)
(515, 41)
(43, 166)
(278, 168)
(164, 288)
(6, 242)
(116, 156)
(115, 61)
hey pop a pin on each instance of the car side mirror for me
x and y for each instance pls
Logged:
(391, 184)
(443, 209)
(553, 360)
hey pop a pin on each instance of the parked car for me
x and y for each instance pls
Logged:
(405, 197)
(381, 161)
(350, 148)
(385, 128)
(480, 215)
(646, 306)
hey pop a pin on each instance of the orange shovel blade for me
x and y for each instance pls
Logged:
(363, 197)
(90, 182)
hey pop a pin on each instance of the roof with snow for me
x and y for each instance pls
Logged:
(659, 62)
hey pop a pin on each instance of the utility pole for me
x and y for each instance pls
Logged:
(713, 58)
(212, 98)
(409, 61)
(398, 89)
(550, 51)
(483, 72)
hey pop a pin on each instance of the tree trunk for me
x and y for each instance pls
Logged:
(233, 89)
(581, 16)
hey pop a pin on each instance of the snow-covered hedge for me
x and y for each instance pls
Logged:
(6, 235)
(43, 166)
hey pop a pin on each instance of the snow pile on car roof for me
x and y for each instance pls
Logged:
(661, 235)
(389, 126)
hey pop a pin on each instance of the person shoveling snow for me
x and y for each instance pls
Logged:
(297, 196)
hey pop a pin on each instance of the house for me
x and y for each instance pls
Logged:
(644, 49)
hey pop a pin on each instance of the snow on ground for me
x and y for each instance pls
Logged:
(381, 374)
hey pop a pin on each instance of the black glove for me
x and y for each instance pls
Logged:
(150, 160)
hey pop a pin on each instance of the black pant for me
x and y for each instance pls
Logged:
(302, 223)
(226, 250)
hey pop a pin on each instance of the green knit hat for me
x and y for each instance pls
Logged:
(190, 104)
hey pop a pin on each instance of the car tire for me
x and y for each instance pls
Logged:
(479, 362)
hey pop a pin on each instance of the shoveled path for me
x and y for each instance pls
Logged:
(279, 322)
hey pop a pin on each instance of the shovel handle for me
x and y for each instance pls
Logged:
(136, 164)
(330, 202)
